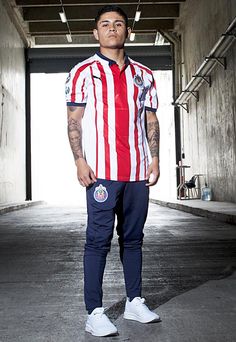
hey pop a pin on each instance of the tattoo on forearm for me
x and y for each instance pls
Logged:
(153, 137)
(75, 137)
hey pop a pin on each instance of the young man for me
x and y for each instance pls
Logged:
(112, 123)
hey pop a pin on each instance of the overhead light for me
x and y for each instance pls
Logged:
(132, 37)
(63, 17)
(137, 15)
(69, 38)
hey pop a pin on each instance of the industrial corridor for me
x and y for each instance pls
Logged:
(188, 278)
(189, 261)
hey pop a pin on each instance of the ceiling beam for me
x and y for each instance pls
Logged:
(76, 13)
(40, 20)
(36, 3)
(89, 39)
(39, 28)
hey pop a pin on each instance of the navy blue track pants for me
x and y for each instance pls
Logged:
(105, 200)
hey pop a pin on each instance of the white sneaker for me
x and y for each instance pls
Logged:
(136, 310)
(98, 324)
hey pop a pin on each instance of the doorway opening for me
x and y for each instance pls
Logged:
(54, 176)
(53, 170)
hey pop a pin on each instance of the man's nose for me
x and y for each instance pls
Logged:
(112, 28)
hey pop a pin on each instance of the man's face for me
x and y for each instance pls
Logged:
(111, 31)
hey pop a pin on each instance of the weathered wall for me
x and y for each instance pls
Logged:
(12, 112)
(209, 129)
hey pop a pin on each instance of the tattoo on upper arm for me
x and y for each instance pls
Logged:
(153, 137)
(75, 137)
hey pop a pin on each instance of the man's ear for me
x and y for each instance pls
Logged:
(128, 32)
(95, 33)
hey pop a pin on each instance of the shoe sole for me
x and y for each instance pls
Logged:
(134, 317)
(91, 331)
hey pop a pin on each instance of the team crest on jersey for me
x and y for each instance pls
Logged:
(138, 80)
(100, 194)
(67, 90)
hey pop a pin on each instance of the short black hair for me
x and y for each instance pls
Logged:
(111, 8)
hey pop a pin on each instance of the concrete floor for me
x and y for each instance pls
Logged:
(187, 278)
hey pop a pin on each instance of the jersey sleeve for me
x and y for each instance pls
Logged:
(151, 100)
(75, 88)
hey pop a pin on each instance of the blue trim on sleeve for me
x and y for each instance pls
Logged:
(151, 109)
(75, 104)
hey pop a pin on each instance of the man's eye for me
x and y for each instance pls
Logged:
(104, 25)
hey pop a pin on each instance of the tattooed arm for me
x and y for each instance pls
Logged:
(153, 137)
(84, 173)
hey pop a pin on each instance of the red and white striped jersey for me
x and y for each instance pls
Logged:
(113, 125)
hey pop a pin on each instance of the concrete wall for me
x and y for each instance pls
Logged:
(209, 129)
(12, 112)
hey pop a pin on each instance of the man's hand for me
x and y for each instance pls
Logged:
(85, 174)
(153, 172)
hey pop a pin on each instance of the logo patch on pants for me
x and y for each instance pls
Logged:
(100, 193)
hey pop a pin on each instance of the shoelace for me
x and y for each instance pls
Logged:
(140, 301)
(100, 311)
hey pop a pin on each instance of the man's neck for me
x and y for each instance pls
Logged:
(117, 55)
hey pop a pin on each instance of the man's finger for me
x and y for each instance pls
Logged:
(88, 180)
(92, 175)
(85, 180)
(153, 181)
(81, 182)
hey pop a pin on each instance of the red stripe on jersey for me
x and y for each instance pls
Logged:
(96, 121)
(105, 121)
(135, 96)
(142, 67)
(122, 124)
(77, 74)
(150, 92)
(82, 90)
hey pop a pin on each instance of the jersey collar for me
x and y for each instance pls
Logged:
(111, 62)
